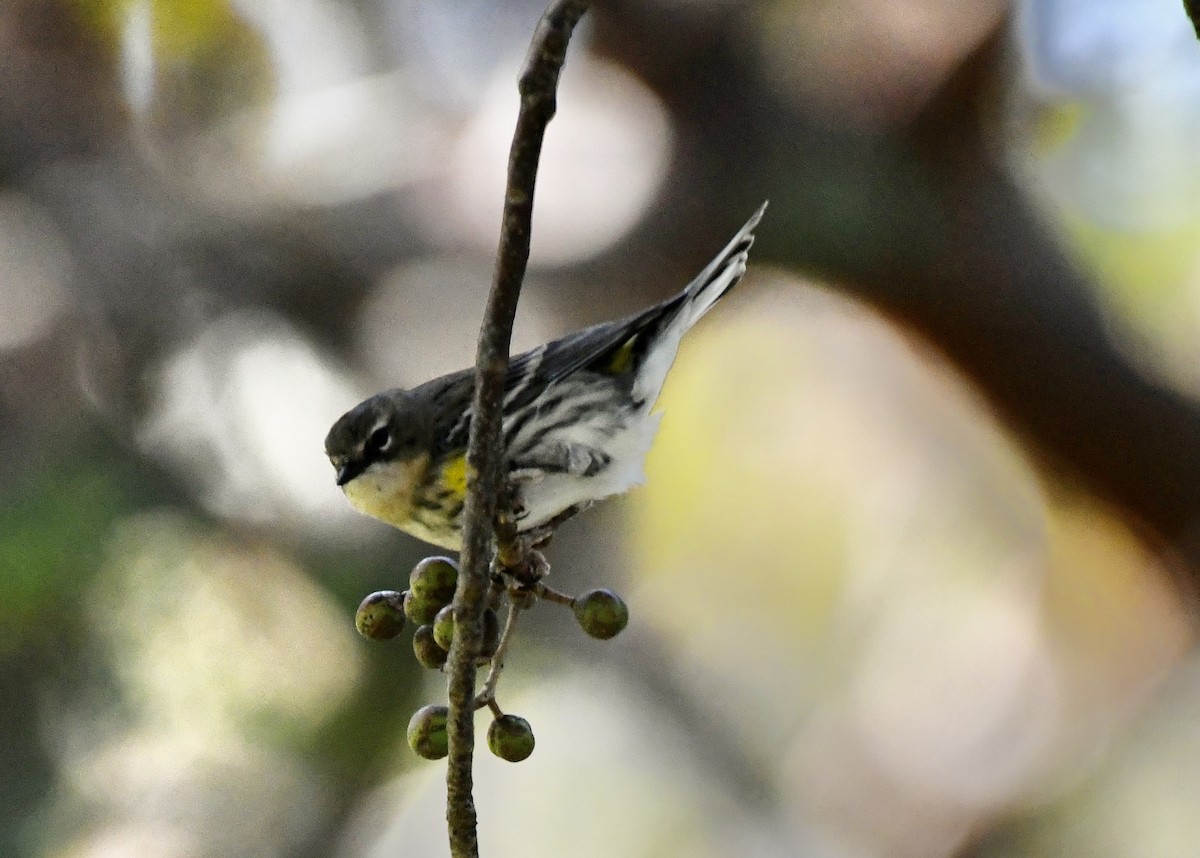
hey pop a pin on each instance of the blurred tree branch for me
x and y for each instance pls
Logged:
(1009, 309)
(1006, 305)
(538, 85)
(1192, 7)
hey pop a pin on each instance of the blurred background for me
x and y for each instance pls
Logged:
(914, 570)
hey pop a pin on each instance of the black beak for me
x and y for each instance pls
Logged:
(349, 471)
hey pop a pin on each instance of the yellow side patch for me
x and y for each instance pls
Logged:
(454, 475)
(623, 357)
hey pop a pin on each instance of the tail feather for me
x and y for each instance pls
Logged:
(720, 275)
(717, 278)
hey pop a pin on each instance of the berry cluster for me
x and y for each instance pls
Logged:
(428, 603)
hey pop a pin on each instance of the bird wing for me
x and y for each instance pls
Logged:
(609, 349)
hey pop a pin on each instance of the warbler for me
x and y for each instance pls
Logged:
(577, 422)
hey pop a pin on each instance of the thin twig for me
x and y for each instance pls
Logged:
(545, 591)
(487, 697)
(538, 84)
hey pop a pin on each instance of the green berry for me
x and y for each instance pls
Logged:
(510, 738)
(601, 613)
(491, 634)
(427, 732)
(425, 648)
(380, 616)
(443, 627)
(420, 611)
(434, 580)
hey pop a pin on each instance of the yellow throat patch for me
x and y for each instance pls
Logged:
(385, 490)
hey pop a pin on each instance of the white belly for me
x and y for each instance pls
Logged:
(550, 494)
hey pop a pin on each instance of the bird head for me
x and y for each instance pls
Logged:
(385, 431)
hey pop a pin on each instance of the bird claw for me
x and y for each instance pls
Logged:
(523, 563)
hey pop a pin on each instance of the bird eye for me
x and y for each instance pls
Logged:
(380, 440)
